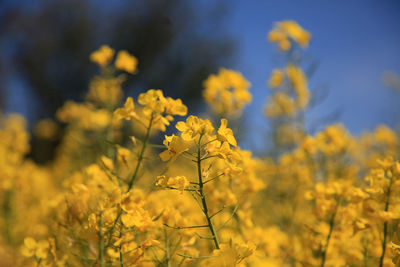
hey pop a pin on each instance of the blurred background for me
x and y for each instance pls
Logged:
(45, 47)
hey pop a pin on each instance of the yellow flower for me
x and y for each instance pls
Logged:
(194, 127)
(225, 134)
(276, 79)
(102, 56)
(126, 62)
(127, 112)
(288, 29)
(386, 136)
(153, 101)
(38, 249)
(280, 104)
(298, 81)
(277, 36)
(105, 91)
(175, 107)
(227, 92)
(137, 217)
(178, 182)
(175, 147)
(230, 255)
(295, 31)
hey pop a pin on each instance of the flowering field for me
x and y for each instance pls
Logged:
(115, 196)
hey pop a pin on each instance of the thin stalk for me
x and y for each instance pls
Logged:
(38, 261)
(7, 215)
(110, 232)
(328, 238)
(203, 198)
(185, 227)
(385, 224)
(167, 252)
(121, 255)
(134, 176)
(140, 159)
(101, 244)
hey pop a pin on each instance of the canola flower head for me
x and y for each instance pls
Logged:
(225, 134)
(102, 56)
(175, 147)
(179, 183)
(127, 112)
(277, 79)
(126, 62)
(227, 92)
(286, 31)
(194, 127)
(33, 248)
(105, 91)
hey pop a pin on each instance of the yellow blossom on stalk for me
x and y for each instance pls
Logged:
(229, 255)
(295, 31)
(175, 147)
(153, 101)
(179, 182)
(298, 80)
(288, 30)
(225, 134)
(127, 112)
(223, 151)
(127, 244)
(137, 217)
(86, 116)
(213, 145)
(126, 62)
(277, 36)
(395, 244)
(160, 122)
(96, 119)
(156, 108)
(39, 249)
(276, 79)
(280, 104)
(333, 140)
(175, 107)
(193, 127)
(107, 162)
(102, 56)
(386, 136)
(71, 111)
(227, 92)
(105, 91)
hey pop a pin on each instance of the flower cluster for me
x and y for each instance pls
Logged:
(117, 195)
(227, 92)
(286, 31)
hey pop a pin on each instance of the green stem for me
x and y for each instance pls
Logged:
(385, 224)
(203, 198)
(101, 244)
(7, 215)
(140, 159)
(328, 238)
(167, 253)
(121, 255)
(132, 181)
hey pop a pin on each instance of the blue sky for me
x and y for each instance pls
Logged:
(353, 41)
